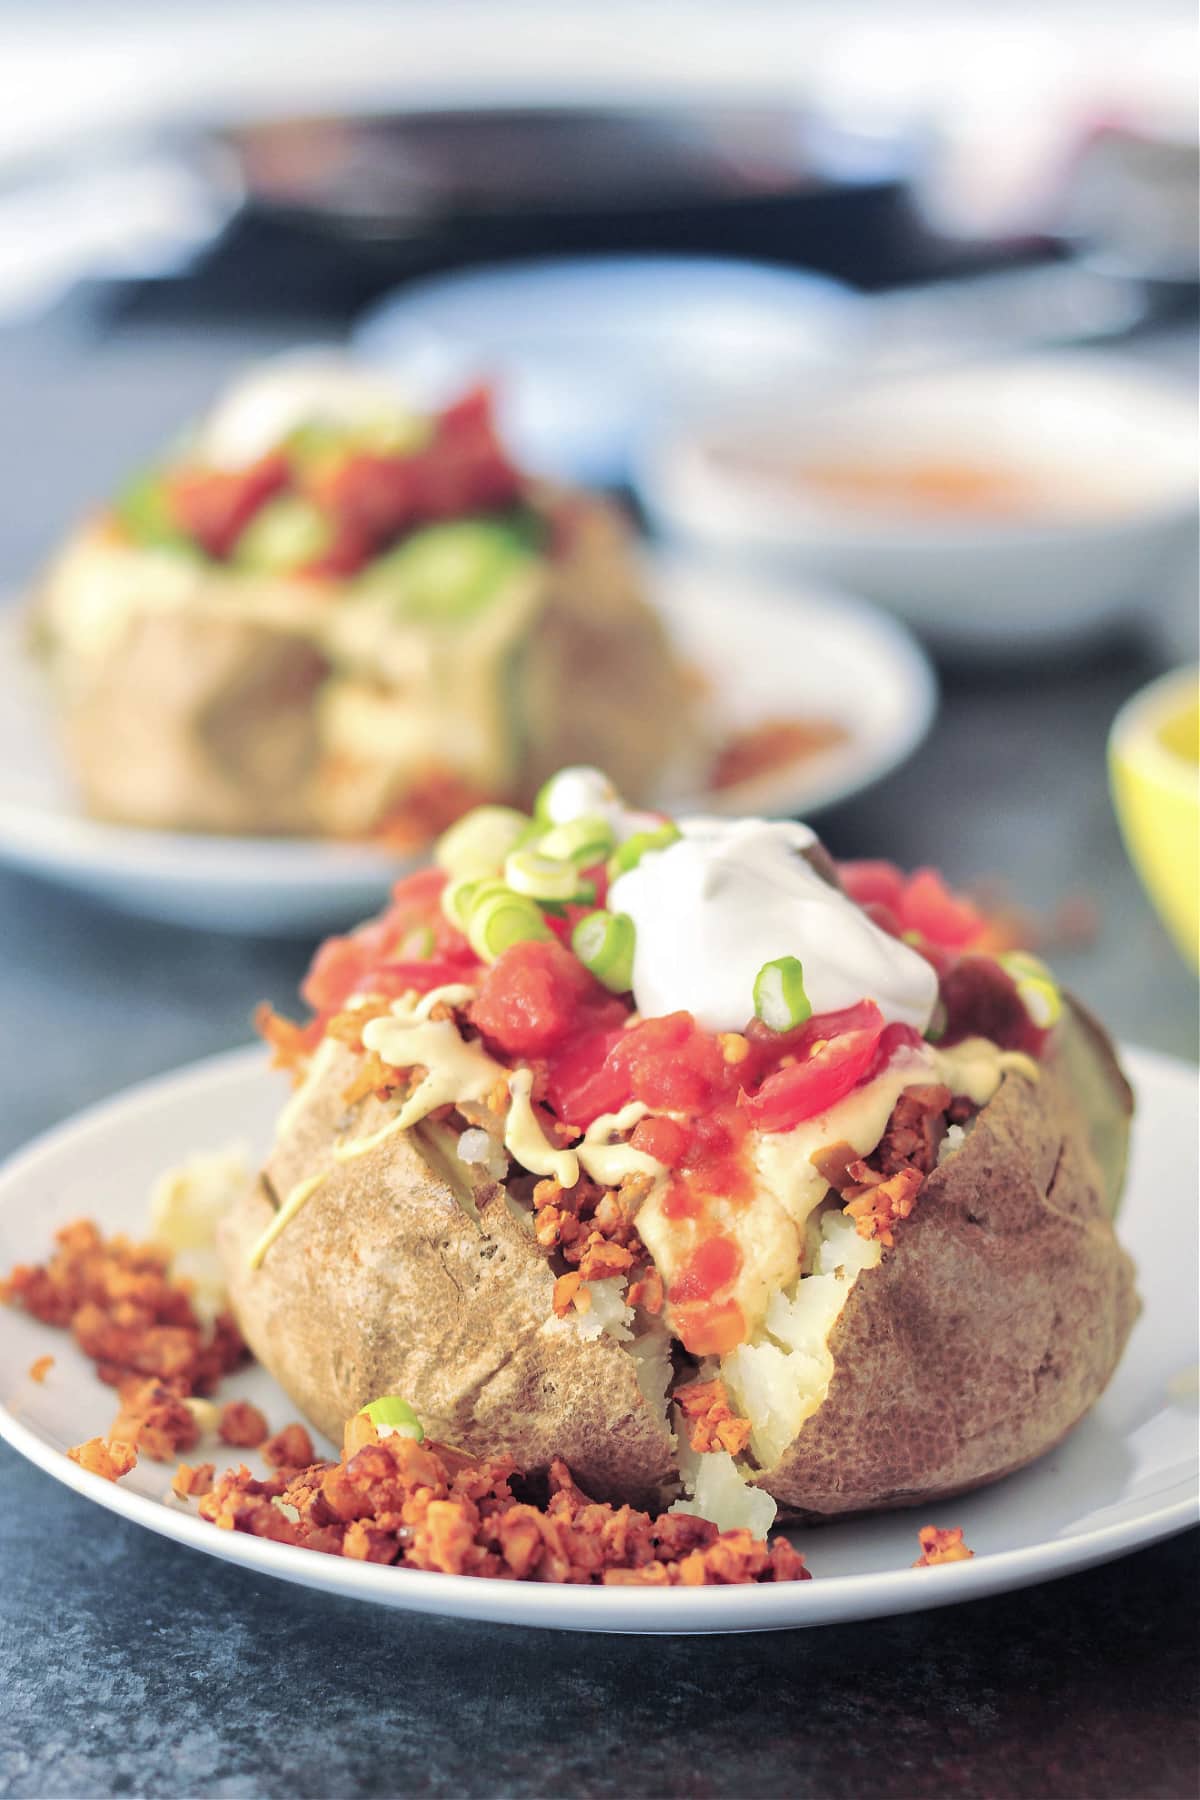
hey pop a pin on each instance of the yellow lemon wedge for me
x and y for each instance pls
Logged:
(1154, 766)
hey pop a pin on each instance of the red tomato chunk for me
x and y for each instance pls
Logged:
(215, 505)
(410, 946)
(662, 1139)
(920, 902)
(536, 996)
(834, 1052)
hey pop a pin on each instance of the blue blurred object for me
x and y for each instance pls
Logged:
(587, 353)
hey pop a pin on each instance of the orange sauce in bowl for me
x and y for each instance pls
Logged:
(979, 490)
(931, 487)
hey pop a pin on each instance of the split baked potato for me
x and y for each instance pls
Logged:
(327, 616)
(937, 1305)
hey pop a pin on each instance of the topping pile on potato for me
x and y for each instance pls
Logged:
(926, 1284)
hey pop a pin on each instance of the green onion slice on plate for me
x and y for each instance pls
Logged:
(629, 854)
(604, 943)
(478, 843)
(540, 877)
(499, 918)
(393, 1414)
(581, 841)
(779, 997)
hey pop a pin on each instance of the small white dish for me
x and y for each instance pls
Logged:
(768, 650)
(1125, 1478)
(1110, 451)
(585, 353)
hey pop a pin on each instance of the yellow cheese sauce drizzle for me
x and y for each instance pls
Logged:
(303, 1191)
(525, 1139)
(789, 1185)
(457, 1071)
(606, 1157)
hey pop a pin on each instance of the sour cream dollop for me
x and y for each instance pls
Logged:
(258, 411)
(728, 897)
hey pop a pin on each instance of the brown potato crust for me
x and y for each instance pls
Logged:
(997, 1320)
(384, 1283)
(199, 724)
(977, 1344)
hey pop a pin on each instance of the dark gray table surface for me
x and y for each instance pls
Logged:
(128, 1665)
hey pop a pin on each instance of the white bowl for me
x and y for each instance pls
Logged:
(1112, 450)
(586, 352)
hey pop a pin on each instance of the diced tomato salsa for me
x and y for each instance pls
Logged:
(705, 1093)
(411, 945)
(538, 1003)
(704, 1316)
(214, 506)
(369, 499)
(537, 997)
(832, 1053)
(919, 904)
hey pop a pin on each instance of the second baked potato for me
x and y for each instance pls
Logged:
(326, 615)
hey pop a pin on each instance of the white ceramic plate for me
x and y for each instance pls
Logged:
(1127, 1477)
(768, 650)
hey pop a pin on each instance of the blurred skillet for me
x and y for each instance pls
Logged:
(425, 189)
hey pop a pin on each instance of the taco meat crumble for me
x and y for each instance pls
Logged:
(423, 1506)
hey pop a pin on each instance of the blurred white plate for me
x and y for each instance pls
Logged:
(1114, 446)
(769, 650)
(586, 353)
(1126, 1477)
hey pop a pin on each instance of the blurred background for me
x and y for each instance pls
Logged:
(899, 297)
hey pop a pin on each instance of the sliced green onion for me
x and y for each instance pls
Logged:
(584, 895)
(456, 900)
(540, 877)
(477, 844)
(604, 943)
(498, 920)
(396, 1415)
(1041, 1000)
(779, 997)
(581, 841)
(629, 854)
(1020, 963)
(1036, 987)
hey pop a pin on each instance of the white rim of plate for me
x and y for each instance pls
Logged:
(41, 839)
(775, 1605)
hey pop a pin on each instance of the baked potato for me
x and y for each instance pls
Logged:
(327, 616)
(840, 1255)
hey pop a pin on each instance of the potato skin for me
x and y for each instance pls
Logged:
(384, 1284)
(997, 1320)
